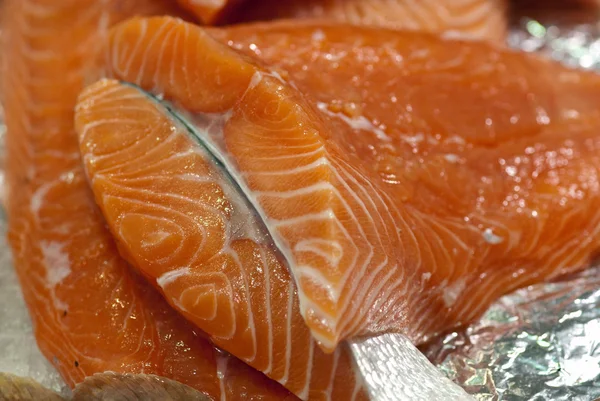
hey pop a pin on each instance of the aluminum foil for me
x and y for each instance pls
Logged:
(568, 35)
(540, 343)
(543, 342)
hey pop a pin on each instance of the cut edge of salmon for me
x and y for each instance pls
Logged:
(45, 174)
(230, 76)
(128, 166)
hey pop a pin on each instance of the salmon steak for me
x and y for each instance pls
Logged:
(403, 198)
(230, 283)
(91, 312)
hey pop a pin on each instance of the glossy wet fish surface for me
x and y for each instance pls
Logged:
(474, 19)
(91, 313)
(354, 172)
(226, 207)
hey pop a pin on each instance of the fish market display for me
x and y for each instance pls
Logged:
(475, 19)
(91, 313)
(171, 211)
(218, 213)
(466, 187)
(420, 141)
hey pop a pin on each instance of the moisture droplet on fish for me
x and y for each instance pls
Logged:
(491, 238)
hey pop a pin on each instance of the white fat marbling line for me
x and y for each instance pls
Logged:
(359, 123)
(58, 265)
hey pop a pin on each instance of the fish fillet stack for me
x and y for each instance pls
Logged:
(225, 207)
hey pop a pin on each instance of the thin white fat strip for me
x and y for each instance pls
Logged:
(514, 236)
(128, 54)
(56, 260)
(495, 279)
(474, 17)
(374, 296)
(396, 286)
(356, 123)
(318, 35)
(422, 13)
(37, 198)
(208, 3)
(246, 289)
(57, 266)
(207, 289)
(336, 358)
(269, 311)
(171, 276)
(312, 245)
(327, 214)
(106, 198)
(159, 236)
(165, 44)
(453, 291)
(413, 140)
(451, 158)
(320, 186)
(288, 332)
(358, 385)
(303, 394)
(491, 238)
(222, 361)
(315, 276)
(322, 161)
(390, 298)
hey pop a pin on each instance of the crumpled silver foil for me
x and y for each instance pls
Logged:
(568, 35)
(540, 343)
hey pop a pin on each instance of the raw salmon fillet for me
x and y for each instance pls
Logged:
(177, 218)
(90, 312)
(210, 11)
(407, 180)
(475, 19)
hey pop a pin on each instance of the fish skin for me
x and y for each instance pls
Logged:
(102, 386)
(129, 387)
(14, 388)
(90, 312)
(474, 19)
(472, 170)
(161, 196)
